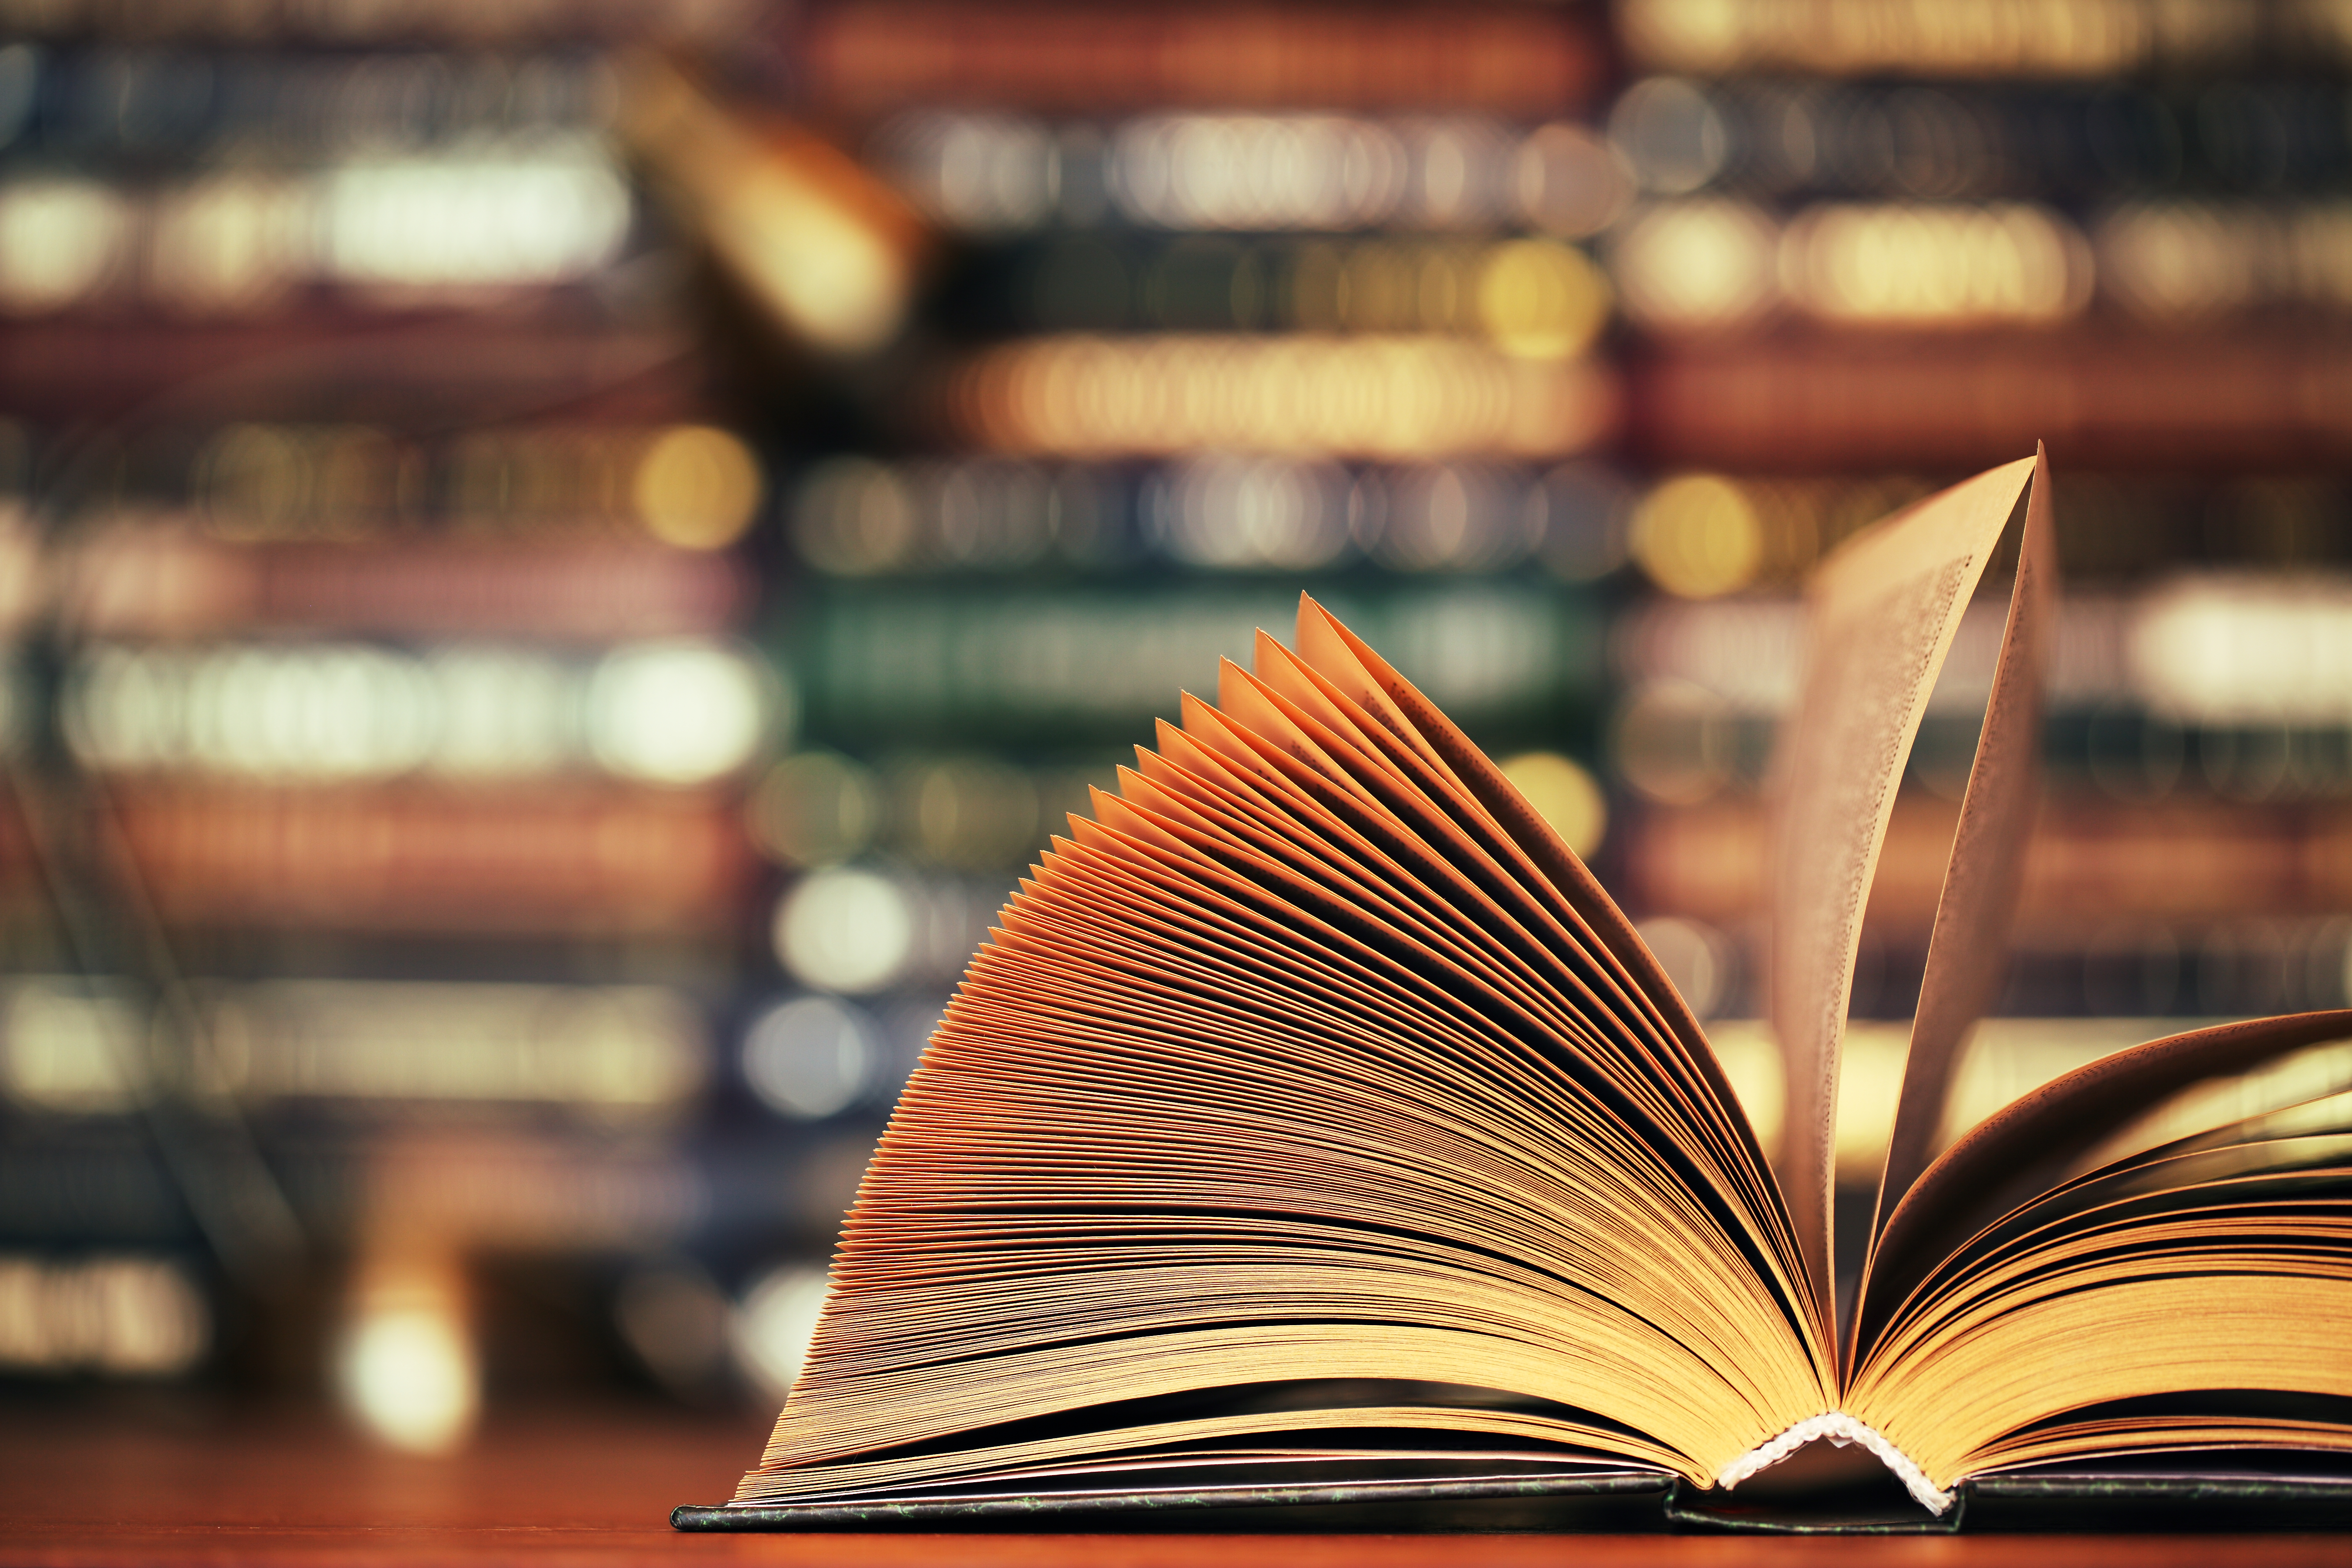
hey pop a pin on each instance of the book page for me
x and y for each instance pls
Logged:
(1400, 713)
(1884, 613)
(2010, 1156)
(1967, 949)
(1290, 1067)
(2190, 1296)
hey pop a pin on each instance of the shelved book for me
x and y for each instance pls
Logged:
(2249, 397)
(1313, 1130)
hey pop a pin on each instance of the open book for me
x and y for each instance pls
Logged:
(1315, 1129)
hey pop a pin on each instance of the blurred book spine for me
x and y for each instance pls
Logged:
(162, 579)
(1390, 398)
(2090, 859)
(2028, 38)
(382, 23)
(864, 56)
(414, 857)
(151, 102)
(1777, 137)
(854, 517)
(2271, 396)
(1709, 265)
(490, 366)
(1030, 665)
(607, 1055)
(993, 173)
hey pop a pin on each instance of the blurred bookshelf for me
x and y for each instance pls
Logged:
(559, 557)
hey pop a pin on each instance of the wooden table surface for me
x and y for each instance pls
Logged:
(595, 1489)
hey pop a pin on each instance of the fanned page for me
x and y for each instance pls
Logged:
(1967, 949)
(2190, 1294)
(1296, 1114)
(1882, 615)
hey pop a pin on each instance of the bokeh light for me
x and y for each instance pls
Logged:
(681, 712)
(846, 931)
(1697, 536)
(1542, 301)
(2212, 650)
(1694, 955)
(772, 1328)
(816, 809)
(1711, 263)
(677, 1322)
(1697, 264)
(811, 1057)
(405, 1367)
(1564, 793)
(1935, 267)
(697, 487)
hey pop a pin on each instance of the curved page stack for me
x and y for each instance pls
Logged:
(1313, 1128)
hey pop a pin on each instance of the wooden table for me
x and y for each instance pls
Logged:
(594, 1488)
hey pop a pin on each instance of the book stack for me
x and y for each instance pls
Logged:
(1873, 248)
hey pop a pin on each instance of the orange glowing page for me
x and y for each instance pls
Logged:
(1294, 1114)
(1314, 1127)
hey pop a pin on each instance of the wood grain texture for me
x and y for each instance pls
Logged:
(594, 1488)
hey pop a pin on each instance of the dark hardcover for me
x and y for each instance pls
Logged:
(2235, 1492)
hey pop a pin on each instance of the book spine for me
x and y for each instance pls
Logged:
(321, 712)
(479, 363)
(2247, 399)
(1537, 296)
(1012, 667)
(2088, 860)
(1780, 138)
(110, 104)
(1678, 746)
(1837, 1427)
(862, 518)
(384, 26)
(1939, 265)
(385, 486)
(2115, 530)
(118, 1314)
(412, 858)
(68, 1183)
(606, 1054)
(164, 581)
(2130, 712)
(1275, 172)
(1383, 398)
(2087, 40)
(359, 236)
(866, 55)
